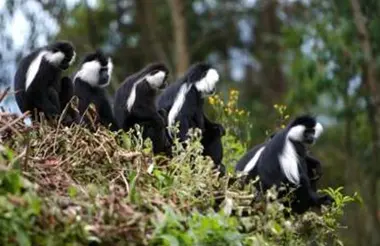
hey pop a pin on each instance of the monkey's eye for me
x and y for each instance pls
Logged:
(104, 69)
(309, 132)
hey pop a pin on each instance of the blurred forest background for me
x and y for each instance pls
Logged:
(319, 56)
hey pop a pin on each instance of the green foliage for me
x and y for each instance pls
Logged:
(233, 150)
(197, 229)
(231, 116)
(18, 209)
(145, 200)
(236, 122)
(313, 48)
(23, 214)
(76, 187)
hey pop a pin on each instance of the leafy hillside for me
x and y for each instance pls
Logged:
(70, 186)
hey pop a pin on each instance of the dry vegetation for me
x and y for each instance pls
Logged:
(71, 186)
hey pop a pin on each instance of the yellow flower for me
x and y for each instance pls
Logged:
(234, 92)
(211, 100)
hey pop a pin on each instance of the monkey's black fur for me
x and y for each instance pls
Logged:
(89, 86)
(135, 104)
(285, 161)
(184, 100)
(313, 165)
(39, 75)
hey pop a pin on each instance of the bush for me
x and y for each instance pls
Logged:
(70, 186)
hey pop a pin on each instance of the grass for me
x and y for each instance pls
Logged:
(71, 186)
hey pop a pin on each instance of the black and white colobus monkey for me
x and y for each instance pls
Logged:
(38, 82)
(284, 160)
(184, 100)
(247, 164)
(89, 86)
(135, 104)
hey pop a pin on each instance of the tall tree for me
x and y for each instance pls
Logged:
(267, 50)
(181, 54)
(373, 104)
(148, 21)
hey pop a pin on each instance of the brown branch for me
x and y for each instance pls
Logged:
(10, 124)
(4, 94)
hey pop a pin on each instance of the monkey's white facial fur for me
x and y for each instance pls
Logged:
(55, 58)
(296, 133)
(206, 86)
(91, 73)
(109, 68)
(73, 58)
(156, 80)
(302, 134)
(318, 130)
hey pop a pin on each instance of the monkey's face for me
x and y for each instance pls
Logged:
(207, 84)
(65, 48)
(105, 73)
(156, 75)
(305, 130)
(104, 78)
(157, 79)
(204, 77)
(96, 70)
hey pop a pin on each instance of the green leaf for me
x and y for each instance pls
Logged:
(170, 239)
(12, 182)
(277, 229)
(72, 191)
(22, 237)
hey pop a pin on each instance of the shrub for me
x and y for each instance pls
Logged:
(70, 186)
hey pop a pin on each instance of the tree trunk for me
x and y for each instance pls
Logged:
(181, 53)
(92, 34)
(144, 31)
(270, 79)
(149, 25)
(369, 81)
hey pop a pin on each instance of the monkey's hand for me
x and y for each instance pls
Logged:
(325, 200)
